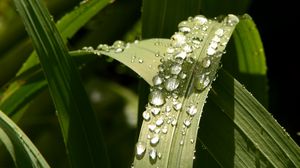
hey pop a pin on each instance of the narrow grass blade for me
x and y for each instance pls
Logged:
(21, 149)
(245, 135)
(81, 133)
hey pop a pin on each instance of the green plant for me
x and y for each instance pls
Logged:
(235, 129)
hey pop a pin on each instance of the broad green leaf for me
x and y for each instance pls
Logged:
(246, 59)
(82, 136)
(237, 131)
(21, 149)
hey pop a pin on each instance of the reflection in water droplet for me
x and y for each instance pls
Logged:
(187, 122)
(156, 98)
(159, 121)
(154, 140)
(175, 69)
(171, 84)
(192, 110)
(152, 154)
(140, 149)
(146, 116)
(157, 80)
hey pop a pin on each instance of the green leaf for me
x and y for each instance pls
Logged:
(81, 133)
(21, 149)
(245, 135)
(246, 59)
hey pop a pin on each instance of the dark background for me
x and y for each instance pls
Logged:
(278, 26)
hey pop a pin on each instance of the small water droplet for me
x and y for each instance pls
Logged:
(164, 130)
(181, 142)
(133, 59)
(154, 140)
(171, 84)
(187, 122)
(141, 61)
(196, 41)
(167, 109)
(118, 46)
(103, 47)
(192, 141)
(155, 111)
(178, 39)
(151, 127)
(183, 27)
(192, 110)
(157, 80)
(232, 20)
(157, 54)
(213, 45)
(177, 106)
(156, 98)
(216, 39)
(187, 48)
(219, 32)
(211, 51)
(159, 155)
(159, 121)
(176, 69)
(136, 41)
(146, 116)
(174, 122)
(182, 75)
(194, 157)
(170, 50)
(140, 149)
(181, 54)
(152, 155)
(206, 62)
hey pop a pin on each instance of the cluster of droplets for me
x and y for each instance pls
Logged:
(173, 76)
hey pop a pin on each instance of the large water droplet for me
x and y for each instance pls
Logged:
(154, 140)
(200, 19)
(192, 110)
(140, 148)
(178, 39)
(156, 98)
(152, 154)
(232, 20)
(157, 80)
(171, 84)
(201, 82)
(176, 69)
(146, 115)
(118, 46)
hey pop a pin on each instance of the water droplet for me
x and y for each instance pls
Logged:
(170, 50)
(140, 148)
(146, 116)
(213, 45)
(154, 140)
(182, 75)
(219, 32)
(187, 122)
(155, 111)
(177, 106)
(181, 54)
(159, 155)
(164, 130)
(157, 54)
(171, 84)
(201, 82)
(192, 141)
(133, 59)
(178, 39)
(141, 61)
(157, 80)
(152, 154)
(118, 46)
(187, 48)
(216, 39)
(206, 62)
(157, 130)
(183, 27)
(167, 109)
(196, 41)
(232, 20)
(200, 19)
(176, 69)
(174, 122)
(103, 47)
(159, 121)
(151, 127)
(211, 51)
(156, 98)
(194, 157)
(192, 110)
(181, 142)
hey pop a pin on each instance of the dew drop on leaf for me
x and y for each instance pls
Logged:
(178, 39)
(159, 121)
(157, 80)
(154, 140)
(201, 82)
(156, 98)
(140, 149)
(187, 122)
(192, 110)
(176, 69)
(146, 115)
(200, 19)
(152, 154)
(171, 84)
(155, 111)
(232, 20)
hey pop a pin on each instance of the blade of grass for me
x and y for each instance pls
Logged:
(81, 133)
(21, 149)
(259, 141)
